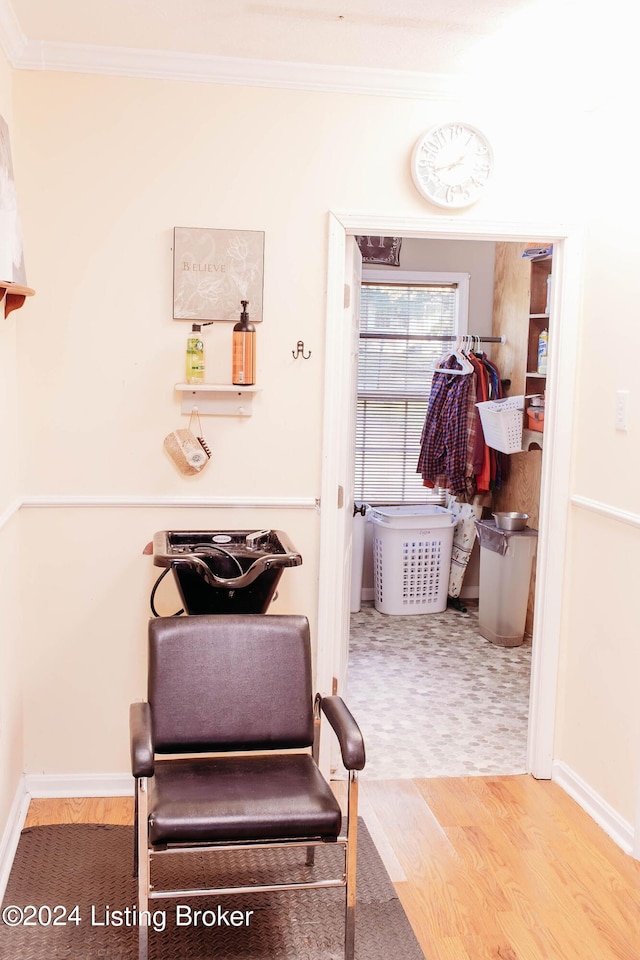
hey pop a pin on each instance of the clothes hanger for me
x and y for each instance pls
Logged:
(465, 366)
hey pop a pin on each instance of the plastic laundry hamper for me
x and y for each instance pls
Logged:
(502, 423)
(411, 558)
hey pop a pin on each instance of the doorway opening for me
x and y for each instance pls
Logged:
(416, 661)
(337, 483)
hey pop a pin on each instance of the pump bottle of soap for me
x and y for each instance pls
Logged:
(244, 350)
(195, 356)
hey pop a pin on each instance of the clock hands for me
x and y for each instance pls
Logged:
(450, 166)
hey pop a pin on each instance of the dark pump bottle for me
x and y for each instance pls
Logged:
(244, 350)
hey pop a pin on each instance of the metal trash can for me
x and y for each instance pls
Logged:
(506, 558)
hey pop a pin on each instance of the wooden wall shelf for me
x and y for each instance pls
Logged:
(13, 295)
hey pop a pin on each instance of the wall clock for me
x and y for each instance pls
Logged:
(451, 164)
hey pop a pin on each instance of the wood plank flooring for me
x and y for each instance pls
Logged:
(499, 868)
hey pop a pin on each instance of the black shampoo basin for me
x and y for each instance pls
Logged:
(225, 571)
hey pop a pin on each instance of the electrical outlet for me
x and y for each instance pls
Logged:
(622, 409)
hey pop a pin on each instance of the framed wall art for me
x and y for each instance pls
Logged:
(213, 270)
(380, 250)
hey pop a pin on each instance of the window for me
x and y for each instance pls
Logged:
(398, 314)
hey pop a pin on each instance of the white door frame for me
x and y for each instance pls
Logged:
(556, 461)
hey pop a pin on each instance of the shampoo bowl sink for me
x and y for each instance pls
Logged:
(225, 571)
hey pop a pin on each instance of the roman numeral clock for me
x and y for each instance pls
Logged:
(451, 165)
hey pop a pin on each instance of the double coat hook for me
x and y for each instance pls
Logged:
(299, 351)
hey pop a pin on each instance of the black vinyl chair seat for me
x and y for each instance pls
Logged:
(241, 798)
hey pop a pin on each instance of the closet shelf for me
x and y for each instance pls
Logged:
(534, 373)
(13, 295)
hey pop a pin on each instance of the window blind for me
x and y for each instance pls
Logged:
(394, 382)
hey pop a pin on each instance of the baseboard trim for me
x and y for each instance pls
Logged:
(52, 785)
(11, 833)
(620, 831)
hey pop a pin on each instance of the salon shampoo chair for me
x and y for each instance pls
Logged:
(224, 752)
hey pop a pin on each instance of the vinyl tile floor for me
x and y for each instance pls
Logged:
(434, 698)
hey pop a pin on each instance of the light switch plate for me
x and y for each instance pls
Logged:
(622, 409)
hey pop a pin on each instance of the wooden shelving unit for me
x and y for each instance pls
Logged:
(520, 315)
(538, 321)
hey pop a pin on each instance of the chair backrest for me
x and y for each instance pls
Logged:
(227, 682)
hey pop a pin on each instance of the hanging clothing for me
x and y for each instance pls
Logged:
(481, 455)
(444, 449)
(453, 452)
(499, 461)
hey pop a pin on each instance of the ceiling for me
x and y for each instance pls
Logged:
(393, 47)
(428, 36)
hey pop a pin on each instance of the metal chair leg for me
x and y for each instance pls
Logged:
(143, 942)
(143, 865)
(135, 832)
(350, 866)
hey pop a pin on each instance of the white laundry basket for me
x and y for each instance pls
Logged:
(502, 422)
(411, 558)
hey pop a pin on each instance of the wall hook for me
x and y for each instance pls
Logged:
(299, 351)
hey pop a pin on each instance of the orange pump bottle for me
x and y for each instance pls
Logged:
(244, 350)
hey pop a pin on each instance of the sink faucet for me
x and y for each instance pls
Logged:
(252, 538)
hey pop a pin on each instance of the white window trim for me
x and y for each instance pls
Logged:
(404, 277)
(421, 278)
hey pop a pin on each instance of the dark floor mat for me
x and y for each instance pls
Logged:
(88, 866)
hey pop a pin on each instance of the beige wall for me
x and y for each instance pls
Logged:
(111, 166)
(11, 733)
(599, 708)
(86, 607)
(107, 167)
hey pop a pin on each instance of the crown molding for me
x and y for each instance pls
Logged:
(24, 53)
(199, 68)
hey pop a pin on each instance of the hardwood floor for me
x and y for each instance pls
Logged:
(499, 868)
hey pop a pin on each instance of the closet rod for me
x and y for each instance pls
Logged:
(442, 337)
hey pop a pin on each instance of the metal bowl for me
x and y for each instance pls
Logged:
(511, 521)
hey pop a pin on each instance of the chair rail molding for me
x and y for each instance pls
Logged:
(153, 500)
(9, 511)
(606, 510)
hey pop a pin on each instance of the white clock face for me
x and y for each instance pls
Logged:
(451, 164)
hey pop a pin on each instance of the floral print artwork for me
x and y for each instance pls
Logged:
(214, 270)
